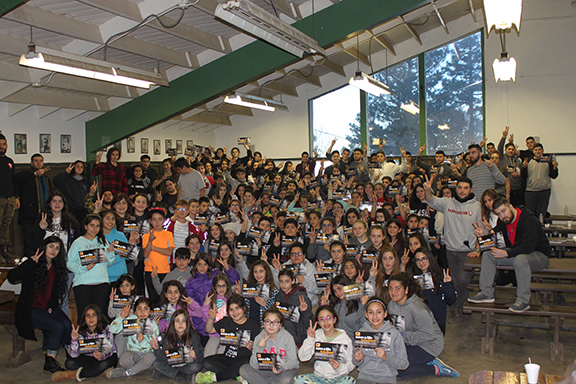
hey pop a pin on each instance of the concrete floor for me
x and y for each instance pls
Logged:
(461, 351)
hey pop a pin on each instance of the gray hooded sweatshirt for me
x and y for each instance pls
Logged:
(417, 322)
(458, 219)
(374, 369)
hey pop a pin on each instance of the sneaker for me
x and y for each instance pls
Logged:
(241, 380)
(481, 297)
(519, 306)
(205, 378)
(116, 373)
(51, 365)
(443, 369)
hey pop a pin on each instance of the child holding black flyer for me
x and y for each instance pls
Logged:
(237, 333)
(294, 304)
(140, 331)
(273, 358)
(179, 357)
(331, 349)
(92, 349)
(380, 350)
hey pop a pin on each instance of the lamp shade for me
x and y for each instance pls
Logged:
(504, 68)
(503, 14)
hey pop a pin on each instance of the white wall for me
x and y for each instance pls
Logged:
(538, 104)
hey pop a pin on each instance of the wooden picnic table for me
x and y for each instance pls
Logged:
(499, 377)
(561, 244)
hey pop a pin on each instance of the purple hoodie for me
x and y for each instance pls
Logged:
(198, 287)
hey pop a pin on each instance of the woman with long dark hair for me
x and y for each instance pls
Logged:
(56, 220)
(72, 183)
(44, 285)
(89, 257)
(113, 174)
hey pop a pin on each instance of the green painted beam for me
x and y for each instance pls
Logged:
(8, 5)
(333, 24)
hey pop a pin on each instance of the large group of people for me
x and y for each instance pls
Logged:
(224, 266)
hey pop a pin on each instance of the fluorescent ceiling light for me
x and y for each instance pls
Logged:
(70, 64)
(411, 107)
(255, 102)
(502, 14)
(369, 84)
(256, 21)
(504, 68)
(443, 127)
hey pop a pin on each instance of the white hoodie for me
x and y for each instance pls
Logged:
(323, 368)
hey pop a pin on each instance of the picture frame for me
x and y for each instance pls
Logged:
(144, 146)
(65, 143)
(167, 145)
(131, 144)
(45, 143)
(20, 144)
(189, 143)
(179, 148)
(157, 149)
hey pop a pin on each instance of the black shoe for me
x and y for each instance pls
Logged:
(51, 365)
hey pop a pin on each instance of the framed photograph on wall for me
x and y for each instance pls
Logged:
(157, 149)
(179, 149)
(144, 145)
(131, 144)
(118, 145)
(65, 143)
(20, 144)
(189, 143)
(45, 143)
(167, 145)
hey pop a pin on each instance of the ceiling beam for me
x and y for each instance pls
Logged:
(332, 25)
(14, 109)
(210, 118)
(440, 17)
(383, 41)
(305, 75)
(234, 109)
(331, 66)
(472, 10)
(355, 53)
(131, 11)
(284, 7)
(50, 21)
(412, 31)
(277, 86)
(50, 98)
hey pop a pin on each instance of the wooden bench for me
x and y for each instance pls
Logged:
(564, 268)
(543, 291)
(556, 317)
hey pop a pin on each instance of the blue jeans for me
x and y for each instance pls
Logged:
(312, 378)
(419, 360)
(57, 323)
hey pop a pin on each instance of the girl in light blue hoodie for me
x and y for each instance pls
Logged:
(91, 283)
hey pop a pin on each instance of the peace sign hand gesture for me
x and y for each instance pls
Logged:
(276, 261)
(43, 222)
(125, 312)
(447, 277)
(208, 299)
(263, 340)
(224, 263)
(36, 255)
(75, 335)
(98, 203)
(405, 259)
(303, 304)
(311, 332)
(324, 300)
(70, 168)
(359, 355)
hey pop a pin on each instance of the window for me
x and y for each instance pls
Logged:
(334, 117)
(386, 118)
(454, 95)
(445, 84)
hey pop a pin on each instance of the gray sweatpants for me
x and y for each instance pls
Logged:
(255, 376)
(523, 265)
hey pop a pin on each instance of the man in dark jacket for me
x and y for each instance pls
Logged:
(527, 250)
(8, 199)
(34, 188)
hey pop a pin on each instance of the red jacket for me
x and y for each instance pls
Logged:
(192, 230)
